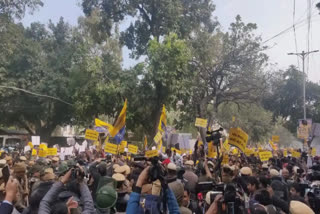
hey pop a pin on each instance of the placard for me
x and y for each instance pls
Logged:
(225, 159)
(30, 144)
(275, 138)
(91, 134)
(43, 146)
(314, 152)
(238, 138)
(248, 152)
(35, 140)
(42, 153)
(111, 148)
(211, 151)
(132, 149)
(158, 137)
(151, 153)
(201, 123)
(296, 154)
(34, 152)
(27, 148)
(52, 151)
(265, 156)
(285, 153)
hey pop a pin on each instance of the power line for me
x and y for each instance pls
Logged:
(35, 94)
(297, 24)
(294, 30)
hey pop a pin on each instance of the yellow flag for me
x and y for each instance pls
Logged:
(101, 123)
(121, 121)
(163, 120)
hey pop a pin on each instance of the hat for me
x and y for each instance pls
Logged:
(297, 207)
(274, 172)
(178, 190)
(127, 169)
(245, 171)
(118, 177)
(19, 167)
(265, 166)
(48, 170)
(23, 158)
(8, 158)
(2, 163)
(55, 159)
(30, 163)
(189, 162)
(48, 176)
(120, 169)
(172, 166)
(115, 166)
(62, 168)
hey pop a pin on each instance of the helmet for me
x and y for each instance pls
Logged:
(62, 168)
(106, 197)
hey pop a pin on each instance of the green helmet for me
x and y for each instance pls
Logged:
(106, 197)
(62, 168)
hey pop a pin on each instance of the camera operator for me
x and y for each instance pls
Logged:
(134, 201)
(50, 205)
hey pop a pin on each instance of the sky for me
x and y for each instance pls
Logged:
(271, 17)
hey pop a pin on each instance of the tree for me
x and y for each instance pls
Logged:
(285, 98)
(228, 67)
(160, 80)
(151, 19)
(17, 8)
(40, 62)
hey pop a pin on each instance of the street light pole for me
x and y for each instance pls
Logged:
(303, 55)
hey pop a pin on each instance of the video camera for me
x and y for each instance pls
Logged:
(214, 136)
(156, 171)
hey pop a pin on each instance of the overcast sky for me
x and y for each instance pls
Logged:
(271, 16)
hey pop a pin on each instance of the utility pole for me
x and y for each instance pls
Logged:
(303, 55)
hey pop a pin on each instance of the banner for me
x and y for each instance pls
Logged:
(265, 156)
(52, 151)
(151, 153)
(111, 148)
(91, 135)
(275, 138)
(202, 123)
(132, 149)
(238, 138)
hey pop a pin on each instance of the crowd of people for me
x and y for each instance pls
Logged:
(94, 182)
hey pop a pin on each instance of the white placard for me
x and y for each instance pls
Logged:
(153, 148)
(35, 140)
(27, 148)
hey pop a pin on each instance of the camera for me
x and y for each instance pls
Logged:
(156, 171)
(231, 202)
(77, 173)
(214, 136)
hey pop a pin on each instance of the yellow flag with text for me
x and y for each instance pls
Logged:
(118, 130)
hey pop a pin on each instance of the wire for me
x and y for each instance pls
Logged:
(294, 31)
(35, 94)
(297, 24)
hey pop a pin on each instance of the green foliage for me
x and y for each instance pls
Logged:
(17, 8)
(150, 19)
(285, 98)
(158, 81)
